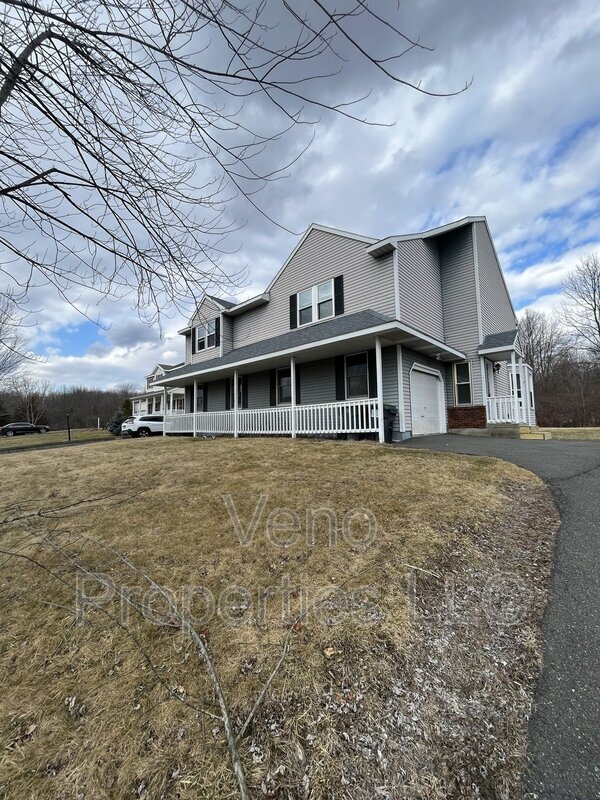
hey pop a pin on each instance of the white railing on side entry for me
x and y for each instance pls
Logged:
(502, 409)
(348, 416)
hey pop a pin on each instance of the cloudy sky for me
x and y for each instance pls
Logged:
(521, 146)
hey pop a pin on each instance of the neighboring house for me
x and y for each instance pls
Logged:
(152, 399)
(423, 323)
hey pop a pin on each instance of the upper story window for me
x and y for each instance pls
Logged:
(315, 303)
(322, 301)
(211, 334)
(205, 336)
(462, 384)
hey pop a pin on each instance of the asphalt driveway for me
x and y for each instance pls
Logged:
(564, 732)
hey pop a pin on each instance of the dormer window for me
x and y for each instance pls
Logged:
(200, 338)
(315, 303)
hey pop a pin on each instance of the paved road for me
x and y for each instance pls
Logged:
(564, 732)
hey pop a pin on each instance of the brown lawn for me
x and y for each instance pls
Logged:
(414, 644)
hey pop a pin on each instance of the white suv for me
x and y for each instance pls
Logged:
(144, 425)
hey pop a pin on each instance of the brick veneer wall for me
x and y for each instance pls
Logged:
(467, 417)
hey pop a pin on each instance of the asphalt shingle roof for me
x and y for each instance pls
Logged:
(499, 340)
(221, 302)
(338, 326)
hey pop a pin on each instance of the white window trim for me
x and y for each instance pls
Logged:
(463, 383)
(360, 396)
(282, 369)
(205, 326)
(315, 303)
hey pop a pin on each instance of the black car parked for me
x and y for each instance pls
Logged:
(16, 428)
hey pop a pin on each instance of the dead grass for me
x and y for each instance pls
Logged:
(53, 437)
(575, 434)
(86, 715)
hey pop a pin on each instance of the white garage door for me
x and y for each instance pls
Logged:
(425, 403)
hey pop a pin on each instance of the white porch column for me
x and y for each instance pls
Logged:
(525, 392)
(515, 399)
(235, 404)
(195, 405)
(379, 371)
(293, 390)
(523, 412)
(164, 410)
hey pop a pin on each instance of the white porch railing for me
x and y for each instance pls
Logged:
(504, 409)
(349, 416)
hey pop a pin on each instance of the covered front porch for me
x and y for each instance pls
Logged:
(348, 416)
(348, 384)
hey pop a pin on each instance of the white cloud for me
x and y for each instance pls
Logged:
(521, 146)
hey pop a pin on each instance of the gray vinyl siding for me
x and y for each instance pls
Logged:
(368, 283)
(410, 357)
(226, 334)
(389, 358)
(502, 381)
(317, 382)
(216, 396)
(259, 390)
(207, 311)
(459, 293)
(420, 286)
(496, 312)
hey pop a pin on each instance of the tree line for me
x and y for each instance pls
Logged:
(563, 349)
(26, 399)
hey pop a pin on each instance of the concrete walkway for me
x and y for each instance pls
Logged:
(564, 732)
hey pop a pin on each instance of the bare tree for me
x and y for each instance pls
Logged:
(31, 396)
(13, 347)
(543, 341)
(581, 311)
(128, 126)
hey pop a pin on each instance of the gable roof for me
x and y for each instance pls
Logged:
(219, 301)
(386, 245)
(324, 229)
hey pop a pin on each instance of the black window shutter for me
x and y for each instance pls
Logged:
(228, 385)
(193, 336)
(244, 380)
(273, 387)
(298, 384)
(293, 311)
(372, 368)
(338, 294)
(340, 380)
(189, 399)
(217, 331)
(205, 398)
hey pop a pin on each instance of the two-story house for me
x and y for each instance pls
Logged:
(152, 400)
(349, 325)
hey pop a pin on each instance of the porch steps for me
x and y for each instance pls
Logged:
(542, 436)
(527, 432)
